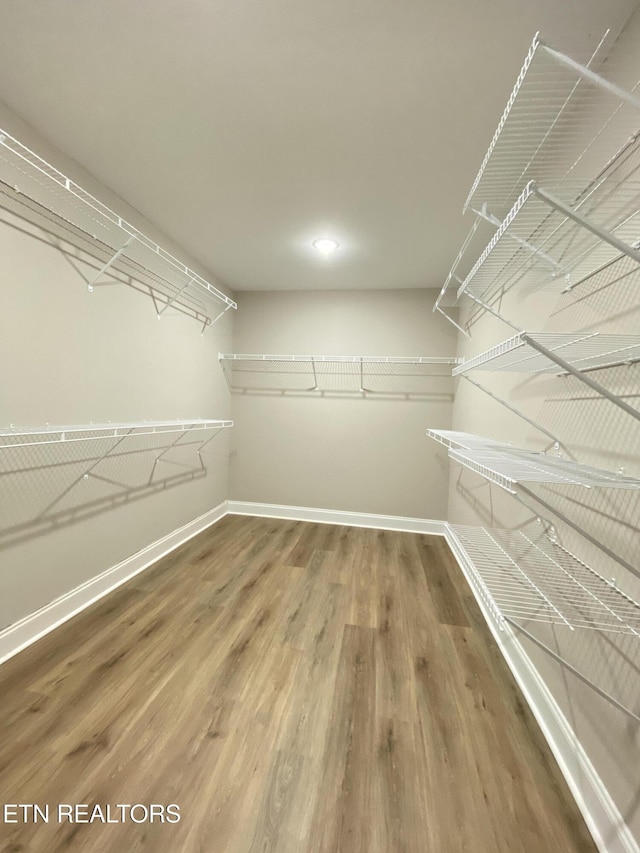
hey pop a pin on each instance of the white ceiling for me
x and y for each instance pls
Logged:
(244, 129)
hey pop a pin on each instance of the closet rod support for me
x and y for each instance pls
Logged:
(572, 524)
(581, 220)
(108, 264)
(215, 320)
(573, 670)
(170, 302)
(513, 409)
(591, 76)
(452, 321)
(483, 213)
(565, 366)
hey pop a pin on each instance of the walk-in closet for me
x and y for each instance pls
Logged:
(320, 427)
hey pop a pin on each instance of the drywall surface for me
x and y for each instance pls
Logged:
(339, 448)
(591, 430)
(70, 356)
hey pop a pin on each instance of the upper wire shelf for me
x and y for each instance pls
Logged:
(29, 436)
(583, 351)
(555, 103)
(122, 247)
(544, 239)
(540, 581)
(318, 372)
(506, 466)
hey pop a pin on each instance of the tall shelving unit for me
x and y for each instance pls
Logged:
(563, 215)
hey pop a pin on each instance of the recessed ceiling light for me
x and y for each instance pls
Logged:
(325, 245)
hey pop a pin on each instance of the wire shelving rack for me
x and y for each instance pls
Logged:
(557, 241)
(463, 440)
(507, 466)
(541, 581)
(554, 101)
(121, 248)
(319, 372)
(560, 184)
(553, 97)
(584, 351)
(30, 436)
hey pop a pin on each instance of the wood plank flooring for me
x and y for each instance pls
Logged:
(293, 687)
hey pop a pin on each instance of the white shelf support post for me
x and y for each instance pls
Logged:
(108, 264)
(591, 76)
(566, 665)
(513, 409)
(534, 250)
(572, 524)
(215, 320)
(170, 302)
(581, 220)
(569, 368)
(564, 365)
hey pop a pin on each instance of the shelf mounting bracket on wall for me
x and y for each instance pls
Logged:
(564, 365)
(173, 299)
(591, 76)
(513, 409)
(208, 322)
(91, 284)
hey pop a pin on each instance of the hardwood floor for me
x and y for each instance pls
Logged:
(292, 687)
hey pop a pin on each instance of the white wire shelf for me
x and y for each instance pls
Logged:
(540, 581)
(270, 361)
(463, 440)
(122, 247)
(318, 372)
(545, 240)
(56, 434)
(506, 466)
(554, 102)
(584, 352)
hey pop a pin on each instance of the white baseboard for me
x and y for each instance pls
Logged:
(603, 818)
(332, 516)
(25, 632)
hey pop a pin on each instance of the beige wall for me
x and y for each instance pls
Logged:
(73, 357)
(342, 450)
(593, 431)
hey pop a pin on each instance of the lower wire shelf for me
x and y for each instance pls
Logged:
(521, 579)
(507, 466)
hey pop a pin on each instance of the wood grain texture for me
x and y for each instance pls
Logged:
(295, 688)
